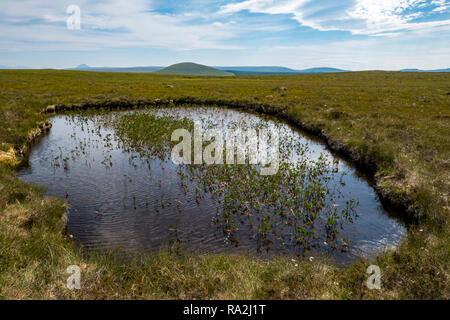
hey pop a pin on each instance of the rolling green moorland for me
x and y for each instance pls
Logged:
(395, 126)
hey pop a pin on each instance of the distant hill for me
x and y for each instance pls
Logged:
(84, 67)
(189, 68)
(322, 70)
(419, 70)
(253, 73)
(12, 68)
(278, 71)
(259, 69)
(198, 69)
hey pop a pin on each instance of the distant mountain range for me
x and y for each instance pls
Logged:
(322, 70)
(258, 69)
(419, 70)
(12, 68)
(276, 70)
(188, 68)
(84, 67)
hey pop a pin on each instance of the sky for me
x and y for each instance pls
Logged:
(347, 34)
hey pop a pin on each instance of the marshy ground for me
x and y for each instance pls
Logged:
(124, 191)
(395, 125)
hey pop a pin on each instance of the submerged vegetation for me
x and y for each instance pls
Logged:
(394, 124)
(148, 134)
(297, 206)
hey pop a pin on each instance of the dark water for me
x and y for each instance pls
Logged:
(119, 200)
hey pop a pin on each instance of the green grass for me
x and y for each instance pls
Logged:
(397, 124)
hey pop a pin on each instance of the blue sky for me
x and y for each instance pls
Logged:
(349, 34)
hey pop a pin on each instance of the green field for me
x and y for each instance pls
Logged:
(395, 126)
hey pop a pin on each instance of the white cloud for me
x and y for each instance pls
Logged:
(364, 17)
(265, 6)
(441, 5)
(41, 25)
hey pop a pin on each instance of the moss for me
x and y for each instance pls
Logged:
(9, 158)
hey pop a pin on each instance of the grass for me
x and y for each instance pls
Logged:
(148, 134)
(396, 124)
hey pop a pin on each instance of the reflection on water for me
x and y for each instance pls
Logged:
(120, 198)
